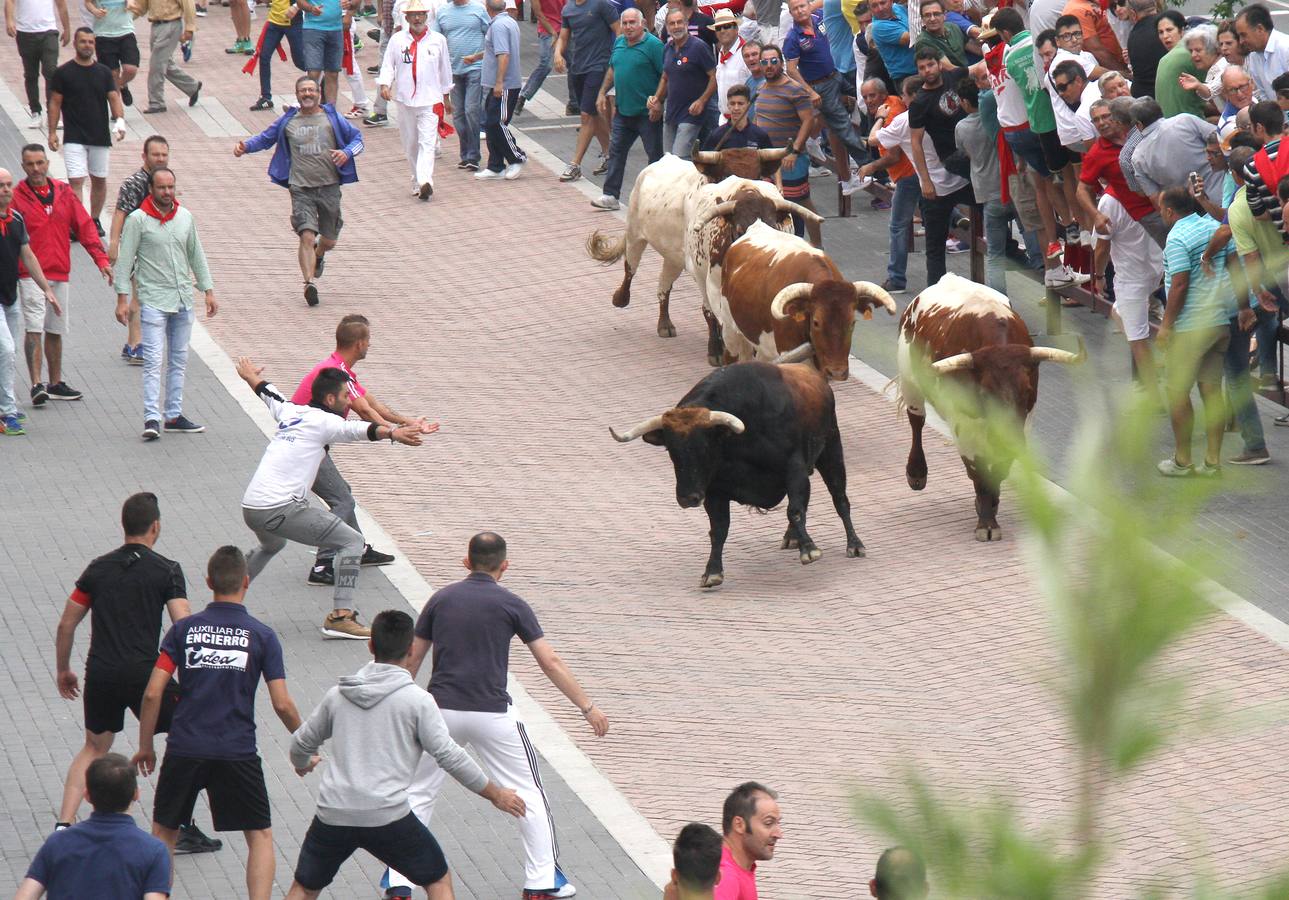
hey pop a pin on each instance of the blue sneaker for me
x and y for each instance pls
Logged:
(393, 893)
(561, 889)
(11, 426)
(136, 355)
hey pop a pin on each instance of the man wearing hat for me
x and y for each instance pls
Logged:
(416, 73)
(730, 67)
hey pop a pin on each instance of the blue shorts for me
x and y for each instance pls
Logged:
(584, 89)
(1028, 147)
(323, 50)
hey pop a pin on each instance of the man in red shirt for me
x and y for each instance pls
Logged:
(51, 210)
(1101, 171)
(353, 338)
(750, 821)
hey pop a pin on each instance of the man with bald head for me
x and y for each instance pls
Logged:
(900, 875)
(14, 248)
(635, 66)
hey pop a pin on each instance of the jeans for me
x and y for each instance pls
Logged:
(679, 138)
(272, 40)
(1239, 391)
(12, 335)
(835, 116)
(997, 229)
(502, 149)
(546, 45)
(39, 53)
(936, 216)
(1266, 334)
(168, 332)
(164, 41)
(625, 131)
(467, 113)
(904, 203)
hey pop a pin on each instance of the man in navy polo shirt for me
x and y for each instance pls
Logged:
(219, 654)
(738, 131)
(688, 82)
(107, 855)
(809, 59)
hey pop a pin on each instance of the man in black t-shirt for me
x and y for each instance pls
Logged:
(81, 92)
(936, 110)
(124, 593)
(14, 248)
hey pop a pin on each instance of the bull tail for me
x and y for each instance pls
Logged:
(606, 249)
(900, 406)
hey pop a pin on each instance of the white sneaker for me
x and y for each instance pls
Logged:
(855, 184)
(1064, 276)
(815, 151)
(819, 172)
(606, 202)
(488, 175)
(35, 119)
(511, 172)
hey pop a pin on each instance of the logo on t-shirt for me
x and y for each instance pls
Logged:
(949, 103)
(209, 658)
(216, 647)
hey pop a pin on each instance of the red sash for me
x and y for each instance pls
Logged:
(249, 68)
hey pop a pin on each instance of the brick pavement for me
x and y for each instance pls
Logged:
(811, 679)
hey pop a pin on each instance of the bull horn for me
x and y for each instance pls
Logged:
(710, 157)
(733, 423)
(952, 364)
(1051, 354)
(648, 425)
(795, 355)
(724, 208)
(877, 293)
(770, 155)
(787, 206)
(787, 295)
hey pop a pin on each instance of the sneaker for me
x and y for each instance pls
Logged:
(602, 166)
(336, 625)
(262, 104)
(488, 175)
(953, 245)
(38, 394)
(1281, 420)
(815, 151)
(374, 34)
(606, 202)
(201, 12)
(185, 50)
(962, 223)
(322, 575)
(151, 430)
(893, 289)
(563, 888)
(1250, 458)
(153, 110)
(425, 190)
(59, 826)
(512, 171)
(461, 164)
(373, 557)
(98, 226)
(192, 101)
(880, 204)
(126, 97)
(1170, 468)
(192, 840)
(572, 173)
(62, 391)
(11, 426)
(182, 425)
(1064, 276)
(1054, 250)
(35, 118)
(519, 104)
(319, 265)
(572, 109)
(311, 294)
(375, 120)
(236, 49)
(854, 184)
(373, 70)
(818, 172)
(136, 355)
(125, 353)
(471, 165)
(356, 112)
(1204, 470)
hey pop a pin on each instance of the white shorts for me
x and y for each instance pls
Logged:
(82, 160)
(37, 314)
(1134, 312)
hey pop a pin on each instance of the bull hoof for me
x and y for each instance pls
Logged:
(856, 552)
(987, 533)
(809, 555)
(714, 579)
(666, 329)
(621, 299)
(917, 482)
(715, 360)
(789, 543)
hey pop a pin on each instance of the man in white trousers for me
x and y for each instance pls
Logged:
(469, 625)
(416, 73)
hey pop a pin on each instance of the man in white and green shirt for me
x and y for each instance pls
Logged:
(159, 245)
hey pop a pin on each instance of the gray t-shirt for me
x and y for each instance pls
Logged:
(590, 26)
(311, 141)
(471, 623)
(502, 37)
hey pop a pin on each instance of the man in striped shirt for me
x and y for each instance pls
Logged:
(1263, 173)
(784, 111)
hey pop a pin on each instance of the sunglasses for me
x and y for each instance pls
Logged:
(771, 62)
(1061, 85)
(725, 26)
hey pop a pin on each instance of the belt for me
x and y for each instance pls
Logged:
(827, 77)
(164, 21)
(1008, 129)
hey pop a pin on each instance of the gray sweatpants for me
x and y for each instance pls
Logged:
(332, 488)
(307, 524)
(161, 64)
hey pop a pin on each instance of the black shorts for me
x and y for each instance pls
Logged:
(405, 846)
(115, 52)
(239, 800)
(106, 701)
(1054, 152)
(584, 89)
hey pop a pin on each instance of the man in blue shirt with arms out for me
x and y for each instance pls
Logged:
(106, 857)
(220, 655)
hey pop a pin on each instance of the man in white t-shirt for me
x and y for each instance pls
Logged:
(35, 25)
(1072, 98)
(1138, 269)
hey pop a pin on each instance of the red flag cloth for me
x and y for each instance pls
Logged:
(249, 68)
(416, 39)
(445, 130)
(348, 59)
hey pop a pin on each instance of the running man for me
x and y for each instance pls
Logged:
(276, 503)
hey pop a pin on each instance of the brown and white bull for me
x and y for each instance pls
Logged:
(968, 334)
(668, 195)
(774, 294)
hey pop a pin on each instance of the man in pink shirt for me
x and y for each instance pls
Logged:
(353, 339)
(750, 821)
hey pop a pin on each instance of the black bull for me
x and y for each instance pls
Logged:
(753, 433)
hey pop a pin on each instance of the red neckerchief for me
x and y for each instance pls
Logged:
(46, 197)
(150, 208)
(726, 54)
(416, 39)
(4, 222)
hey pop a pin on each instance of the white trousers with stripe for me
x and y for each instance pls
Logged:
(500, 742)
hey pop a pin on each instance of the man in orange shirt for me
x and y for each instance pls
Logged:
(1098, 37)
(890, 117)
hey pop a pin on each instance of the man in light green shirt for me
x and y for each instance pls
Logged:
(160, 247)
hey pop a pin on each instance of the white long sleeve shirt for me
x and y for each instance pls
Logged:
(291, 460)
(433, 78)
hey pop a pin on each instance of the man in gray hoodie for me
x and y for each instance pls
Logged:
(381, 723)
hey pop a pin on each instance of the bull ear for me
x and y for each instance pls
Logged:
(653, 437)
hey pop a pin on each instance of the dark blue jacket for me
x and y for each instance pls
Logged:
(348, 138)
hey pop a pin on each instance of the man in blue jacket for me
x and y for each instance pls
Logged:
(313, 155)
